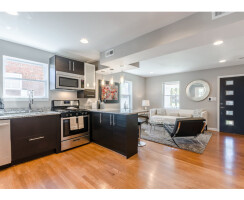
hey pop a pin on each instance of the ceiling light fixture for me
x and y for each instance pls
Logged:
(84, 41)
(218, 42)
(222, 61)
(112, 81)
(12, 13)
(151, 72)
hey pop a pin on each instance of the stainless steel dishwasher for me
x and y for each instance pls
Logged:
(5, 143)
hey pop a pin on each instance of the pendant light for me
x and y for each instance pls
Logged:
(122, 78)
(103, 81)
(112, 81)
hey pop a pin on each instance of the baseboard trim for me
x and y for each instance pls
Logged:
(212, 129)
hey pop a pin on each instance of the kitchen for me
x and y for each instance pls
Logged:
(37, 127)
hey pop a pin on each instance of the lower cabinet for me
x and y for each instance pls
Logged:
(117, 132)
(34, 136)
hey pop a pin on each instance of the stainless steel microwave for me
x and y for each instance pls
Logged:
(69, 81)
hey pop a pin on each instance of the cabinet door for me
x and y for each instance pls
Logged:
(96, 127)
(31, 136)
(78, 67)
(107, 130)
(90, 76)
(119, 133)
(62, 64)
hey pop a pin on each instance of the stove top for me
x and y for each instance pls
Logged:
(68, 108)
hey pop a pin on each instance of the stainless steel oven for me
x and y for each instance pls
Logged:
(71, 115)
(71, 138)
(69, 81)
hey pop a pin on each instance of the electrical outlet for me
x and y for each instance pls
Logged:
(211, 98)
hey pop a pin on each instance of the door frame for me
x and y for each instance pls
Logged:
(218, 95)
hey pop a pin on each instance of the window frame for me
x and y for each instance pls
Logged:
(163, 89)
(127, 95)
(46, 81)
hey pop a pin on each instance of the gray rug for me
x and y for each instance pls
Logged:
(160, 135)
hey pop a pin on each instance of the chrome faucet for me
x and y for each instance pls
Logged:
(31, 99)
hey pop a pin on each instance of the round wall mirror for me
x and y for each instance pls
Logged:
(197, 90)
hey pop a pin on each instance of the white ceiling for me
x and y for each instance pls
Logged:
(203, 57)
(61, 32)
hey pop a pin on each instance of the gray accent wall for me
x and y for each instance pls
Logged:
(155, 95)
(29, 53)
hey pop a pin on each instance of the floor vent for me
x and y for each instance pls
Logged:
(109, 53)
(216, 15)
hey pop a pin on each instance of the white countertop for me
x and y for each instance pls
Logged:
(31, 114)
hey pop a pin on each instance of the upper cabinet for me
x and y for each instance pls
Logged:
(90, 79)
(67, 65)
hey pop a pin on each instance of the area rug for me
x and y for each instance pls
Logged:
(160, 135)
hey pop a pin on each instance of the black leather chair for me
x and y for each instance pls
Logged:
(185, 127)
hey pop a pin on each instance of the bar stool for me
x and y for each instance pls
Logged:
(140, 122)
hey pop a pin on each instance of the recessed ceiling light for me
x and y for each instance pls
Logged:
(151, 72)
(8, 28)
(222, 61)
(84, 41)
(218, 42)
(13, 13)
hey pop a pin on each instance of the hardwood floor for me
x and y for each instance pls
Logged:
(155, 166)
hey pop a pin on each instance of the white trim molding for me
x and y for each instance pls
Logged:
(212, 129)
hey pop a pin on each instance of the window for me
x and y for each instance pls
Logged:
(20, 76)
(126, 95)
(171, 94)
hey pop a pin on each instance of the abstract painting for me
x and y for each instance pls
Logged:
(109, 93)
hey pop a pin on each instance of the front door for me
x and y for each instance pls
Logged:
(232, 104)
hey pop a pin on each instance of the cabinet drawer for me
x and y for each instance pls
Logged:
(34, 126)
(31, 146)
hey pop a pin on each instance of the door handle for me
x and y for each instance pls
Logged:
(38, 138)
(69, 65)
(222, 107)
(73, 66)
(110, 119)
(100, 118)
(113, 121)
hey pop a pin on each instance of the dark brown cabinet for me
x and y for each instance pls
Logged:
(67, 65)
(34, 136)
(86, 93)
(117, 132)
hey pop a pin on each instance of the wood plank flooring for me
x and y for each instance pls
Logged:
(155, 166)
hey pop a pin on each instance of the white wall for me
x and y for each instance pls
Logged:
(25, 52)
(138, 89)
(154, 89)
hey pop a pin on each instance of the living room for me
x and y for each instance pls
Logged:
(121, 99)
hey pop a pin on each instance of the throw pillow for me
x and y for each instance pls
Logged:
(197, 112)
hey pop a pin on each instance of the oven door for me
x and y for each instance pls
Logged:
(68, 81)
(67, 134)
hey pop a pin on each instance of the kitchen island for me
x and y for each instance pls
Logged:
(116, 130)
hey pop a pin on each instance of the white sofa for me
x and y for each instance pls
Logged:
(161, 115)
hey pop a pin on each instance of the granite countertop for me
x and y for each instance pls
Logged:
(26, 114)
(118, 111)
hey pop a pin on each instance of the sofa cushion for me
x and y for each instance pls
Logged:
(170, 112)
(186, 113)
(157, 119)
(161, 111)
